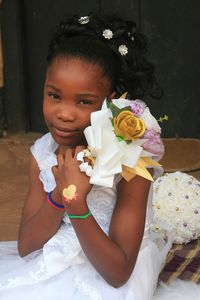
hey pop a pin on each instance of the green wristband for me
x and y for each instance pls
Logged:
(80, 216)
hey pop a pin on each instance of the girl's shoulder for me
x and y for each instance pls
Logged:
(43, 147)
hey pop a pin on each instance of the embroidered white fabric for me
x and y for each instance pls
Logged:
(61, 269)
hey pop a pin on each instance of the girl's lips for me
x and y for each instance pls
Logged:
(64, 132)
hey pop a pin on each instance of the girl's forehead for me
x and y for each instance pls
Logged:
(75, 64)
(77, 72)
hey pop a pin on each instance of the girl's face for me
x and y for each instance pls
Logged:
(73, 89)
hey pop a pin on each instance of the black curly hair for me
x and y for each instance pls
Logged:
(83, 38)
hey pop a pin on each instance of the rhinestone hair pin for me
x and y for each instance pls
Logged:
(123, 50)
(130, 35)
(84, 20)
(108, 34)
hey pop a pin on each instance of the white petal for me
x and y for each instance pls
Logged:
(150, 121)
(122, 103)
(80, 156)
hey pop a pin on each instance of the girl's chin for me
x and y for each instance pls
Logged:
(68, 142)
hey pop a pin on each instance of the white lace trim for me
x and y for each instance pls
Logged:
(87, 290)
(31, 277)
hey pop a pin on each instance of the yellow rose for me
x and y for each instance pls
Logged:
(128, 126)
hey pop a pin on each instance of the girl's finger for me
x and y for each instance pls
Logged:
(69, 153)
(54, 170)
(61, 160)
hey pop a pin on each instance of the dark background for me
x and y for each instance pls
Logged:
(173, 28)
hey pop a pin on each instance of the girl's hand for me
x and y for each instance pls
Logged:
(67, 172)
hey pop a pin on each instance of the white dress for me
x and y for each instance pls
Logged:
(60, 270)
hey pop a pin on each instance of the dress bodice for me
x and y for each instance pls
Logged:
(100, 200)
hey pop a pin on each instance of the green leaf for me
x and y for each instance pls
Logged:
(114, 109)
(108, 103)
(120, 138)
(165, 118)
(126, 108)
(128, 142)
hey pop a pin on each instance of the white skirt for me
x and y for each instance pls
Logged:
(28, 278)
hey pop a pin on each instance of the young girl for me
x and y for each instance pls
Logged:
(78, 240)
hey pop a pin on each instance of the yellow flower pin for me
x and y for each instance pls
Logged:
(128, 126)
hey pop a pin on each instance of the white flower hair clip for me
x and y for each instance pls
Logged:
(130, 35)
(123, 50)
(84, 20)
(108, 34)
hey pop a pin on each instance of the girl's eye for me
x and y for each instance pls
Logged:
(86, 102)
(54, 96)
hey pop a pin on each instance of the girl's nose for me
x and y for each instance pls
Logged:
(66, 113)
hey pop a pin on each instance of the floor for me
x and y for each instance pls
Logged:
(180, 154)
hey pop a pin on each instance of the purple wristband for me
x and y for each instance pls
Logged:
(54, 203)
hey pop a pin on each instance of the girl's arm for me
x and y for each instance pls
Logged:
(114, 256)
(39, 220)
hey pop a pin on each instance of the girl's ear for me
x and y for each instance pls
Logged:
(112, 96)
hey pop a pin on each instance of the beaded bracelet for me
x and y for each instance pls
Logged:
(54, 203)
(80, 216)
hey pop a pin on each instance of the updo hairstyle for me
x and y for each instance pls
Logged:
(114, 44)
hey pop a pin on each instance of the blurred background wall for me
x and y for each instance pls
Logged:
(173, 28)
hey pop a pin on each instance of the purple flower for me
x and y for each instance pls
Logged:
(138, 107)
(153, 143)
(152, 135)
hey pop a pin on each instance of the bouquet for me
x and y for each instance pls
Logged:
(123, 138)
(176, 201)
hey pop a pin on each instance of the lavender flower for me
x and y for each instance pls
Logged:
(152, 135)
(138, 107)
(153, 143)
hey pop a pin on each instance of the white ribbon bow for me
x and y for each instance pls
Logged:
(109, 152)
